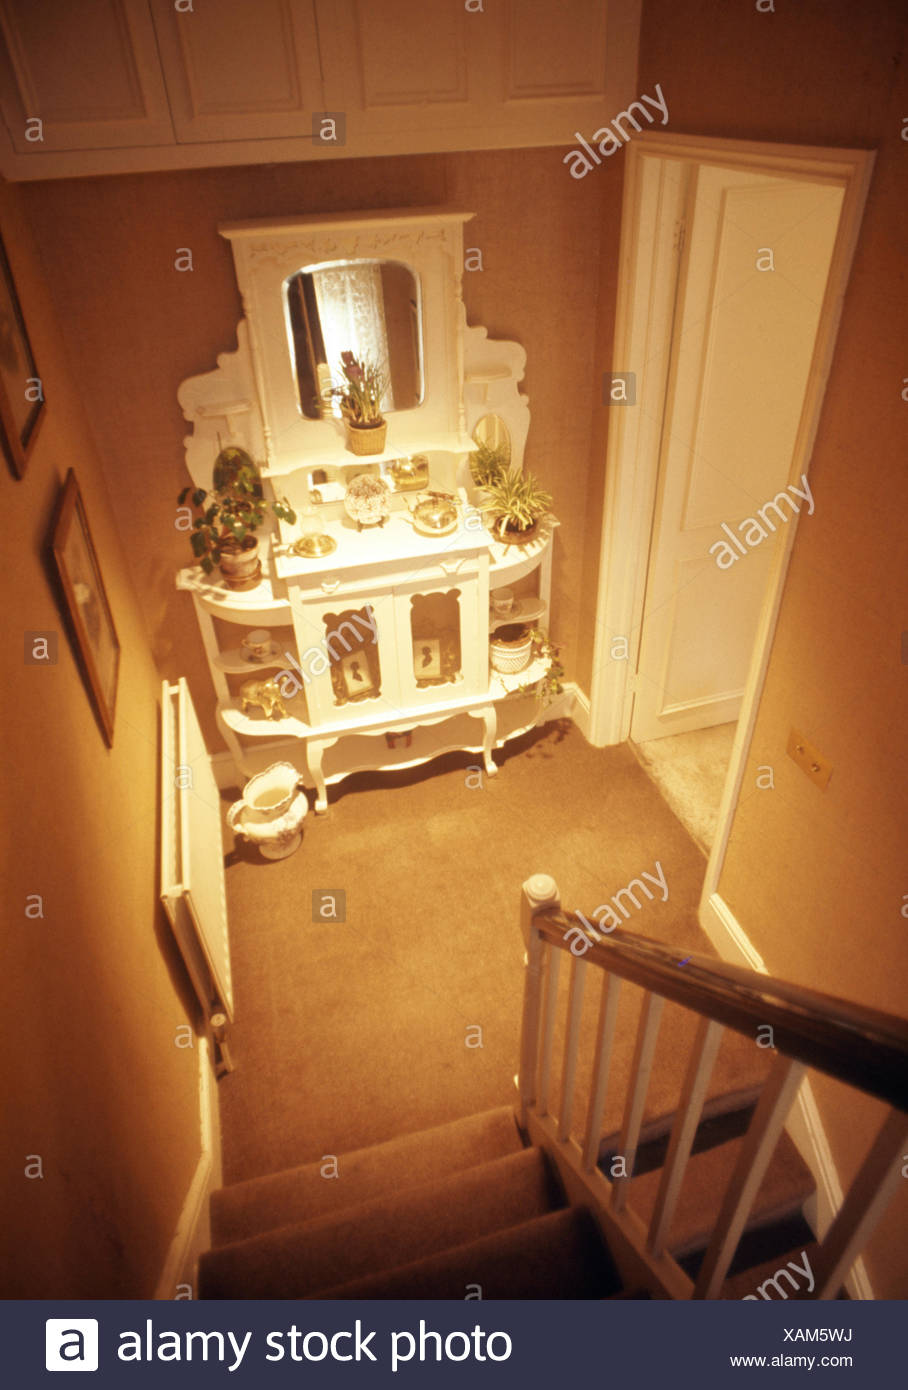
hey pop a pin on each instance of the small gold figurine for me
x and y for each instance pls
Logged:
(266, 695)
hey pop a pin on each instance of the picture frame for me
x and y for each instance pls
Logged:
(427, 658)
(357, 676)
(87, 606)
(21, 390)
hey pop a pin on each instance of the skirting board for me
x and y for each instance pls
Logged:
(580, 709)
(804, 1123)
(193, 1233)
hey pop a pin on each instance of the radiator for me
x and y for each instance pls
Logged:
(192, 855)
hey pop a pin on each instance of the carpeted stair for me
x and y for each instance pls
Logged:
(425, 1216)
(442, 1212)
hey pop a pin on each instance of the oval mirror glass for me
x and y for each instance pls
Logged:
(368, 307)
(493, 456)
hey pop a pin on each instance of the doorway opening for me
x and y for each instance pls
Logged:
(734, 261)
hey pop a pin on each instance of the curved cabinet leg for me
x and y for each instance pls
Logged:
(314, 750)
(489, 717)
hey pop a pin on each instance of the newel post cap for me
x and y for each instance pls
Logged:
(541, 891)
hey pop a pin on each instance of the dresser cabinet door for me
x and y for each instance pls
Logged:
(88, 72)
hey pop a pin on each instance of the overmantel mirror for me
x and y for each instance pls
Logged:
(369, 307)
(385, 285)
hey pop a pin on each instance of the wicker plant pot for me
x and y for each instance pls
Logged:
(366, 439)
(511, 648)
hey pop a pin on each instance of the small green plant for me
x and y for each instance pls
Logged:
(516, 502)
(360, 395)
(231, 513)
(487, 463)
(551, 683)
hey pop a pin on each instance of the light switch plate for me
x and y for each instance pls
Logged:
(809, 759)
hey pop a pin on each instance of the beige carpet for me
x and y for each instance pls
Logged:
(354, 1033)
(690, 770)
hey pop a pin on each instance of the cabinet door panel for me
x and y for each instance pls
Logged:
(241, 69)
(89, 72)
(555, 50)
(519, 72)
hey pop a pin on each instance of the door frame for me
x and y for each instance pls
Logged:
(632, 464)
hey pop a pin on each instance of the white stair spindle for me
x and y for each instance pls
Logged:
(644, 1051)
(605, 1033)
(760, 1141)
(690, 1107)
(571, 1046)
(548, 1030)
(867, 1199)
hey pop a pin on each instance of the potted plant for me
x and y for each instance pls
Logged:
(551, 682)
(517, 503)
(223, 532)
(364, 384)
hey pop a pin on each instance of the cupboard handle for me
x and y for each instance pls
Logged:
(451, 566)
(329, 585)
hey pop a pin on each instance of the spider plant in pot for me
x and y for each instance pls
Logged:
(364, 383)
(223, 531)
(516, 502)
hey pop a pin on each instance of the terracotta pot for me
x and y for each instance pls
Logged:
(366, 439)
(240, 565)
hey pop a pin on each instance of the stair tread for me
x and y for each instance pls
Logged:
(560, 1255)
(786, 1185)
(297, 1194)
(795, 1288)
(720, 1110)
(395, 1229)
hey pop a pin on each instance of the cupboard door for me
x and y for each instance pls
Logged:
(89, 72)
(401, 67)
(347, 659)
(440, 642)
(240, 69)
(418, 76)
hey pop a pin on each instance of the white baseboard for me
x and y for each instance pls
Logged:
(224, 769)
(580, 710)
(804, 1124)
(193, 1232)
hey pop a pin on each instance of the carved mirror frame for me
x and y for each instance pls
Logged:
(267, 253)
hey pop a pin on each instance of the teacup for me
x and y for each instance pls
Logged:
(502, 601)
(257, 643)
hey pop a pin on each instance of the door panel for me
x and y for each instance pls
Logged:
(751, 287)
(90, 73)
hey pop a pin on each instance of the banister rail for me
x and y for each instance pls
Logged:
(862, 1046)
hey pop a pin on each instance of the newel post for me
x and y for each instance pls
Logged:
(539, 894)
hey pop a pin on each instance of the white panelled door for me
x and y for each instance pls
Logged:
(752, 281)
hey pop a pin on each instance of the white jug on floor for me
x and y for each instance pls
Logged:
(271, 811)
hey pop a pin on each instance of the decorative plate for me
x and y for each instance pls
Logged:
(366, 500)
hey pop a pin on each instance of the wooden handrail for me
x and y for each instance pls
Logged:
(863, 1047)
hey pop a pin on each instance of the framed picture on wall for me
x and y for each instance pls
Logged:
(21, 389)
(86, 603)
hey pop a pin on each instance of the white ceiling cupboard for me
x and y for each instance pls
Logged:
(110, 86)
